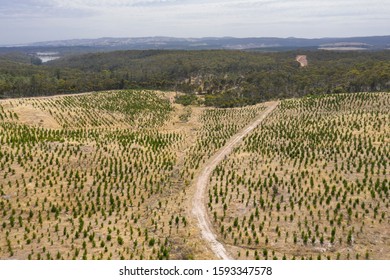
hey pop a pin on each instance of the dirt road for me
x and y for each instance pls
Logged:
(302, 59)
(201, 181)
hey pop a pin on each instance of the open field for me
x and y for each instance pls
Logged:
(311, 182)
(201, 183)
(105, 175)
(111, 175)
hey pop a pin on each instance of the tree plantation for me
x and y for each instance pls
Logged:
(311, 182)
(111, 175)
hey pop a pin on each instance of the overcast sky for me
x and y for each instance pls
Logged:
(23, 21)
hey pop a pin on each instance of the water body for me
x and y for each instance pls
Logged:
(47, 56)
(343, 49)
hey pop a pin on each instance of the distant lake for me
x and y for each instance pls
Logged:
(47, 56)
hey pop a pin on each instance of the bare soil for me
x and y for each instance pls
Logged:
(199, 208)
(302, 59)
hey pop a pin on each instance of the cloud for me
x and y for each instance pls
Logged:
(162, 3)
(107, 4)
(192, 18)
(238, 8)
(40, 9)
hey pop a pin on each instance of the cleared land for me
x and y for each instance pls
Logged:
(105, 175)
(111, 175)
(302, 59)
(310, 182)
(199, 208)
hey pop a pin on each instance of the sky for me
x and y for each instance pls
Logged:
(46, 20)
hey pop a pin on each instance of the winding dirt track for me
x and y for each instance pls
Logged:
(199, 203)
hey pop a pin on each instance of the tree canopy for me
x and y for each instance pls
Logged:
(226, 78)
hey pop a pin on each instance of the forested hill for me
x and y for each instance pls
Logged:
(227, 78)
(210, 43)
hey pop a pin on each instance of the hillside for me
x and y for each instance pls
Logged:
(111, 175)
(310, 182)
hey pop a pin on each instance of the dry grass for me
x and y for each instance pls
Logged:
(103, 175)
(311, 182)
(110, 176)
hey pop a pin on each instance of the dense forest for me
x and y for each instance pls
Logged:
(226, 78)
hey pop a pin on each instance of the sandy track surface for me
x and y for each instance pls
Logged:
(201, 181)
(302, 59)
